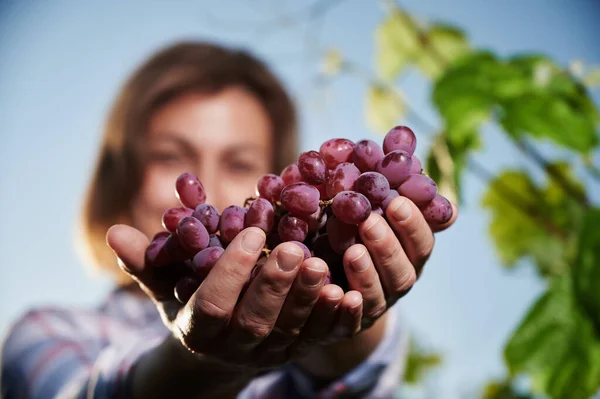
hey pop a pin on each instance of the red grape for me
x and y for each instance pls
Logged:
(341, 235)
(301, 199)
(156, 253)
(185, 288)
(189, 190)
(172, 216)
(192, 234)
(418, 188)
(342, 178)
(395, 166)
(314, 224)
(291, 174)
(366, 154)
(400, 138)
(336, 151)
(372, 185)
(269, 187)
(205, 260)
(215, 241)
(260, 214)
(312, 167)
(415, 168)
(292, 228)
(388, 198)
(209, 216)
(351, 207)
(177, 252)
(438, 210)
(231, 222)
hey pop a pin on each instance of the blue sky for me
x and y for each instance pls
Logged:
(62, 62)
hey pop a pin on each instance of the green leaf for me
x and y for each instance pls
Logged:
(383, 108)
(502, 390)
(332, 63)
(586, 270)
(397, 42)
(443, 45)
(447, 160)
(513, 200)
(419, 362)
(557, 346)
(546, 116)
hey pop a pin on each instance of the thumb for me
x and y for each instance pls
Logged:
(129, 245)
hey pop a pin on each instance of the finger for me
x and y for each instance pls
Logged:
(210, 308)
(395, 271)
(412, 229)
(299, 303)
(443, 226)
(259, 308)
(363, 278)
(320, 321)
(349, 316)
(129, 245)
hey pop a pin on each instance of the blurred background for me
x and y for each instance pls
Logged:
(354, 68)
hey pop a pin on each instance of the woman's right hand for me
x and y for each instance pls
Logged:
(285, 308)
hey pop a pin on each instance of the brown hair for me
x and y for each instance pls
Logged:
(175, 70)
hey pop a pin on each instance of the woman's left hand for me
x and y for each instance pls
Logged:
(386, 267)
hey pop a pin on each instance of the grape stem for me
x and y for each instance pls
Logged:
(266, 251)
(249, 201)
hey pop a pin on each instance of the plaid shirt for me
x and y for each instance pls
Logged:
(69, 353)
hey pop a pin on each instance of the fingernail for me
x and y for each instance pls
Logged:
(376, 231)
(361, 262)
(312, 277)
(288, 261)
(252, 241)
(402, 211)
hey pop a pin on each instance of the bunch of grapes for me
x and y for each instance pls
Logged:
(316, 202)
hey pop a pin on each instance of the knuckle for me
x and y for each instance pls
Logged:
(389, 253)
(376, 311)
(255, 329)
(273, 285)
(425, 250)
(404, 282)
(209, 312)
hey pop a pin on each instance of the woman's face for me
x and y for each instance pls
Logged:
(225, 139)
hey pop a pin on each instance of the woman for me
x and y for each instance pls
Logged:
(222, 115)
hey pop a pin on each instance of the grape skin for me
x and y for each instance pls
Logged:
(336, 151)
(342, 178)
(189, 190)
(301, 199)
(372, 185)
(205, 260)
(172, 216)
(269, 187)
(292, 228)
(438, 210)
(418, 189)
(291, 174)
(400, 138)
(341, 235)
(312, 167)
(193, 235)
(260, 214)
(366, 154)
(209, 216)
(395, 166)
(231, 222)
(351, 207)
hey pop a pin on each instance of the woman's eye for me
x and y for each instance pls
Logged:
(164, 157)
(242, 167)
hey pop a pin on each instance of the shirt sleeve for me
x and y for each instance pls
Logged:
(53, 354)
(379, 376)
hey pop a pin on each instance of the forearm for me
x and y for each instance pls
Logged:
(171, 371)
(333, 361)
